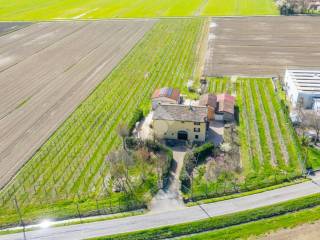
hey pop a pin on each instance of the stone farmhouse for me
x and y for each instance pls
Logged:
(173, 119)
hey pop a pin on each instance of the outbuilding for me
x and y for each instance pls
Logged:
(225, 107)
(210, 101)
(165, 96)
(303, 86)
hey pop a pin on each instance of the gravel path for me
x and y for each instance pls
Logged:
(46, 70)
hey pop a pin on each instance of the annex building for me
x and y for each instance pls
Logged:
(304, 86)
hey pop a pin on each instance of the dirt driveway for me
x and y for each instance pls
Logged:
(170, 198)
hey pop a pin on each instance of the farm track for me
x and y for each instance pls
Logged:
(68, 61)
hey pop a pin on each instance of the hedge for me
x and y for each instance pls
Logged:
(136, 117)
(221, 221)
(197, 156)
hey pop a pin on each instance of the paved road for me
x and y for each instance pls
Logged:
(172, 217)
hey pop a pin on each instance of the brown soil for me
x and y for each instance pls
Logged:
(46, 70)
(262, 46)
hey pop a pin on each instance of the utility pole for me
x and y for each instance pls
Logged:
(20, 217)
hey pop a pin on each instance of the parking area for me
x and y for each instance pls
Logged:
(262, 46)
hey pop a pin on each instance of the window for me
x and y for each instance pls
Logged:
(182, 121)
(196, 136)
(196, 123)
(196, 129)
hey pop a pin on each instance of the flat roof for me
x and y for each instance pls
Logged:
(179, 112)
(305, 80)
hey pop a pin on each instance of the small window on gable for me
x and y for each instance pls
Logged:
(196, 123)
(196, 129)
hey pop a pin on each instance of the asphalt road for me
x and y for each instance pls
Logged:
(150, 220)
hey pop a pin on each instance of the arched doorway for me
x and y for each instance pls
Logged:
(182, 135)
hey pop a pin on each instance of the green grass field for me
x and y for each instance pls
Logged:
(71, 164)
(90, 9)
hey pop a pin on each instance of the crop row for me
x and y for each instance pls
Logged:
(72, 162)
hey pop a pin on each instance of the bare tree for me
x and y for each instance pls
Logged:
(313, 122)
(123, 132)
(120, 161)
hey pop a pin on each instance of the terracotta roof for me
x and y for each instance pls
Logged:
(208, 100)
(166, 92)
(178, 112)
(225, 103)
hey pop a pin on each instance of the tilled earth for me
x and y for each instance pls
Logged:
(6, 27)
(262, 46)
(46, 70)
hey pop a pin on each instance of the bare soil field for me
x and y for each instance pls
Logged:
(46, 70)
(303, 232)
(6, 27)
(262, 46)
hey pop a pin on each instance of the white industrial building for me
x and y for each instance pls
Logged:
(305, 85)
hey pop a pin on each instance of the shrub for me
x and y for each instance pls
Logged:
(136, 117)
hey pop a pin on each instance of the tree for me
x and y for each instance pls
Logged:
(120, 161)
(313, 122)
(123, 132)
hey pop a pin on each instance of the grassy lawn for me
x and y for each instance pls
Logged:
(254, 229)
(230, 226)
(70, 169)
(240, 7)
(90, 9)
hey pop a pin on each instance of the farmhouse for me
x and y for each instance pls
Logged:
(165, 95)
(182, 122)
(304, 86)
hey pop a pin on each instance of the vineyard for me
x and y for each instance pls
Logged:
(71, 165)
(269, 149)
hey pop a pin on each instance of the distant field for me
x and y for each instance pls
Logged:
(88, 9)
(262, 46)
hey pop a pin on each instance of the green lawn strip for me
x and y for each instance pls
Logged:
(261, 227)
(220, 222)
(83, 220)
(243, 194)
